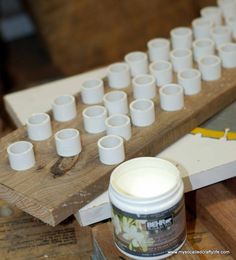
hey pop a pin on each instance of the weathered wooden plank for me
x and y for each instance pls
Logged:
(51, 199)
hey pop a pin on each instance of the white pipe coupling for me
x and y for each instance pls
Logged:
(159, 49)
(227, 53)
(111, 149)
(116, 102)
(171, 97)
(181, 38)
(118, 75)
(21, 155)
(181, 59)
(92, 91)
(64, 108)
(210, 67)
(94, 119)
(138, 62)
(144, 86)
(39, 127)
(142, 112)
(68, 142)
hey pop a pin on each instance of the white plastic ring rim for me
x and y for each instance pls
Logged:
(67, 134)
(64, 100)
(118, 67)
(181, 53)
(115, 96)
(158, 43)
(181, 32)
(135, 57)
(19, 148)
(92, 84)
(94, 112)
(202, 21)
(142, 105)
(203, 43)
(210, 11)
(210, 61)
(189, 74)
(38, 119)
(117, 120)
(143, 80)
(160, 65)
(228, 47)
(171, 89)
(110, 142)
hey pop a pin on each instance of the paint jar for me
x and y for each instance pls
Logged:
(148, 212)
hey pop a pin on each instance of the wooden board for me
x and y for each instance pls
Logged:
(216, 207)
(51, 198)
(23, 237)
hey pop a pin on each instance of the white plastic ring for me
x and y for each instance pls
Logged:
(64, 108)
(181, 38)
(190, 80)
(142, 112)
(116, 102)
(171, 97)
(228, 7)
(231, 22)
(138, 62)
(201, 27)
(181, 59)
(39, 127)
(68, 142)
(212, 13)
(159, 49)
(94, 119)
(119, 125)
(227, 53)
(111, 149)
(210, 67)
(118, 75)
(21, 155)
(162, 71)
(203, 47)
(221, 34)
(144, 86)
(92, 91)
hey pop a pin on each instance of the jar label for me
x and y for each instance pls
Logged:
(150, 235)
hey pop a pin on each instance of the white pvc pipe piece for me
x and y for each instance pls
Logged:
(181, 59)
(21, 155)
(212, 13)
(203, 47)
(68, 142)
(138, 62)
(210, 67)
(162, 71)
(64, 108)
(221, 34)
(159, 49)
(190, 80)
(227, 53)
(94, 119)
(111, 149)
(181, 38)
(119, 125)
(201, 27)
(39, 127)
(171, 97)
(144, 86)
(142, 112)
(92, 91)
(118, 75)
(228, 7)
(231, 22)
(116, 102)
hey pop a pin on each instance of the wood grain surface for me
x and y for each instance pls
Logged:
(51, 198)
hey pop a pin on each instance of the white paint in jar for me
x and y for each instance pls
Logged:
(148, 211)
